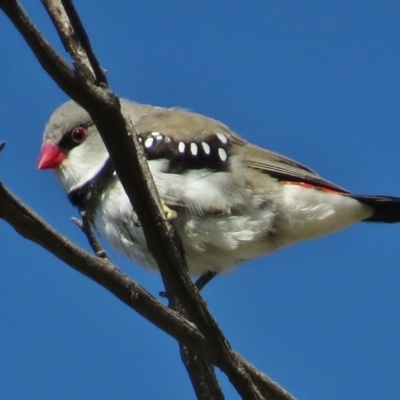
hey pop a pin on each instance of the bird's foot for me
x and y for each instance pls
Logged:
(168, 212)
(135, 219)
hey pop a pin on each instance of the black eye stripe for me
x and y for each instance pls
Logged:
(67, 143)
(210, 153)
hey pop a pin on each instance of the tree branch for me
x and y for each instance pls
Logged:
(173, 265)
(99, 73)
(201, 374)
(88, 89)
(84, 226)
(100, 270)
(103, 272)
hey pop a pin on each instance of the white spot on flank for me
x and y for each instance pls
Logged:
(148, 142)
(181, 147)
(206, 147)
(167, 139)
(222, 138)
(140, 139)
(222, 154)
(157, 135)
(193, 148)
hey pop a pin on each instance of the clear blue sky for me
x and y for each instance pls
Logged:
(316, 81)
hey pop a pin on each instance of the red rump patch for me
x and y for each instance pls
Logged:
(310, 186)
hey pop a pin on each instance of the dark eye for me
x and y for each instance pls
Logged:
(79, 134)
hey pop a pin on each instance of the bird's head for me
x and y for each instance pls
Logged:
(72, 147)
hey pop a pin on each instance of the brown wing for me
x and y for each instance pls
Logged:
(185, 125)
(181, 125)
(284, 168)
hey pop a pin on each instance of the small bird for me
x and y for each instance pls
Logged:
(229, 200)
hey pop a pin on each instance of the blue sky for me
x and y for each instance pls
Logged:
(316, 81)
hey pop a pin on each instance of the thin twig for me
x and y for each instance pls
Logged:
(71, 43)
(80, 31)
(85, 227)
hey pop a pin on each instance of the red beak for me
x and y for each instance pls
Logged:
(50, 156)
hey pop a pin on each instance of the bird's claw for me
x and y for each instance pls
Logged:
(135, 219)
(168, 212)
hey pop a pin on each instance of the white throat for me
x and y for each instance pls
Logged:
(78, 169)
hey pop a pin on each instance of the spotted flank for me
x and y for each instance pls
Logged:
(148, 143)
(211, 153)
(206, 148)
(193, 149)
(181, 147)
(157, 135)
(222, 154)
(222, 138)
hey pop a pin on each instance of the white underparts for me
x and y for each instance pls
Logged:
(211, 242)
(311, 212)
(227, 237)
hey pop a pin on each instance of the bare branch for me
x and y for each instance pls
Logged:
(70, 41)
(202, 375)
(91, 237)
(203, 334)
(100, 105)
(32, 227)
(84, 41)
(162, 240)
(102, 271)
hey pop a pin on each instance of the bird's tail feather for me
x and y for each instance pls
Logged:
(386, 208)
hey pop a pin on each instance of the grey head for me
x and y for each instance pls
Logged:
(72, 145)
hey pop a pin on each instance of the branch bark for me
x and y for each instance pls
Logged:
(189, 320)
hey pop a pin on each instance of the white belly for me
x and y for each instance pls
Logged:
(220, 242)
(217, 242)
(309, 213)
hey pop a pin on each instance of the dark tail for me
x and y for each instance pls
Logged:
(386, 208)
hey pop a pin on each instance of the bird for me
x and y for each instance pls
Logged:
(229, 200)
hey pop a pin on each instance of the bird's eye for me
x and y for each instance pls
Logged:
(79, 134)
